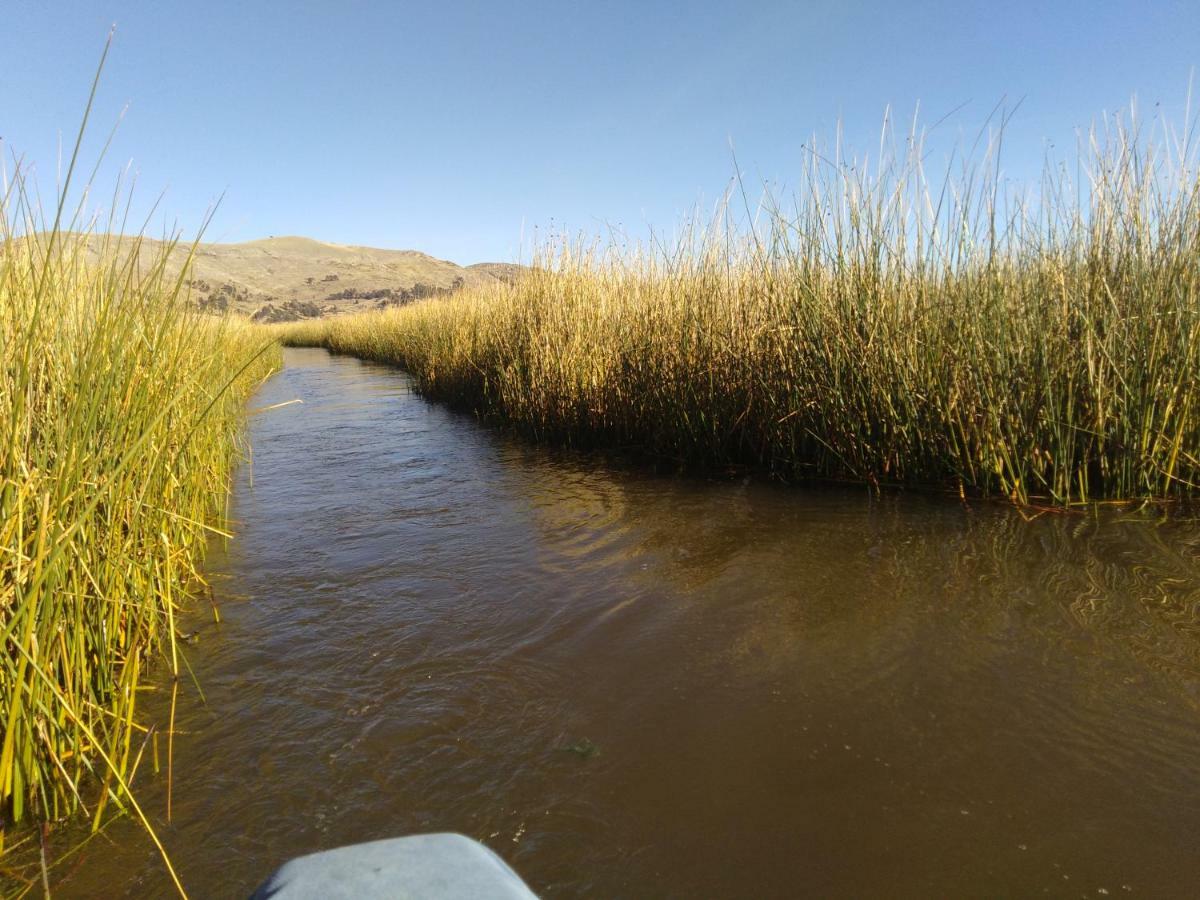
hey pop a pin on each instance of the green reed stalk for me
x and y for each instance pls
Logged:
(120, 415)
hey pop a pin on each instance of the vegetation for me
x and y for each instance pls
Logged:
(887, 328)
(120, 408)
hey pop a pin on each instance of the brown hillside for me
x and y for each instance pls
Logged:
(286, 278)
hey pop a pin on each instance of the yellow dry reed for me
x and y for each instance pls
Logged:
(1038, 343)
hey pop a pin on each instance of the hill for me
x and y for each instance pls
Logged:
(288, 278)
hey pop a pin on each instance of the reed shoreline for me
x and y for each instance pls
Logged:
(886, 330)
(121, 414)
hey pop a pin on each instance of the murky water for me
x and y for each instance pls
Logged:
(631, 685)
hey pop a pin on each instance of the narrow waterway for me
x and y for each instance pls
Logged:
(632, 685)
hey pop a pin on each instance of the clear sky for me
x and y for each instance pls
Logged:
(457, 127)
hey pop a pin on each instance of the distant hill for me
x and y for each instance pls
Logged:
(287, 278)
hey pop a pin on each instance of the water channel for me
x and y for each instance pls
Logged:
(630, 684)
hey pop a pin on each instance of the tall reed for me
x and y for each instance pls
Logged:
(120, 409)
(888, 327)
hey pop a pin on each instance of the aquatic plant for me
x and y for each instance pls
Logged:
(1042, 344)
(120, 409)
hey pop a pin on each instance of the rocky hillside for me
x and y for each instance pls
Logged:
(288, 278)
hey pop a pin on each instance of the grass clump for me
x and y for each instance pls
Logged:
(887, 327)
(120, 409)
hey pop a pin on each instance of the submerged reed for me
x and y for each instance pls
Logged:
(120, 410)
(888, 328)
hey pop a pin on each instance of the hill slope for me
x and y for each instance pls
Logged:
(285, 278)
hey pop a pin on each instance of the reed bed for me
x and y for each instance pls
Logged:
(887, 327)
(120, 410)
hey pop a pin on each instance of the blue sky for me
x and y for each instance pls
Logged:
(460, 128)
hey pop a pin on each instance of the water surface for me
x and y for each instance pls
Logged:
(632, 685)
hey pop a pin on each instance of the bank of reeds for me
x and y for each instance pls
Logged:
(888, 327)
(120, 409)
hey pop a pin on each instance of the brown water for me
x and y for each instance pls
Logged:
(632, 685)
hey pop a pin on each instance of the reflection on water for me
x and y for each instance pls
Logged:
(637, 686)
